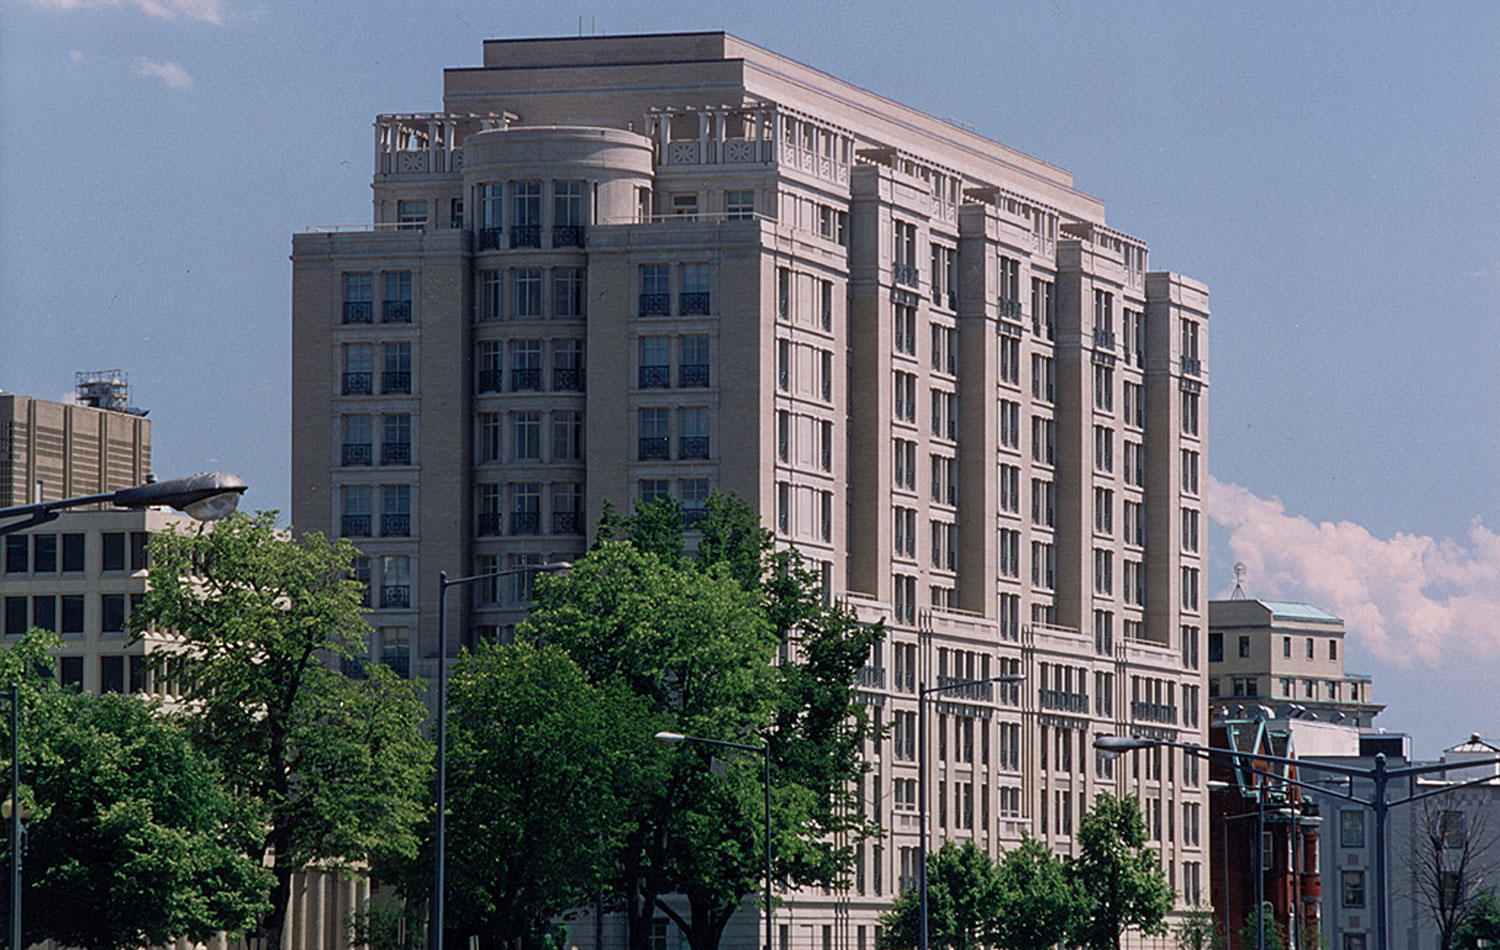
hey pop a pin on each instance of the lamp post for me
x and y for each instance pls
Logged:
(207, 496)
(440, 821)
(923, 691)
(675, 738)
(1379, 776)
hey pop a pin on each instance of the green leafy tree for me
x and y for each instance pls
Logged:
(1482, 926)
(134, 837)
(535, 837)
(1036, 903)
(1199, 930)
(1119, 876)
(696, 639)
(336, 765)
(1275, 933)
(962, 885)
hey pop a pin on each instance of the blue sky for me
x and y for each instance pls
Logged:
(1329, 170)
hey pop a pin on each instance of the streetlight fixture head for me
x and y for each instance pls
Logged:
(1009, 678)
(559, 568)
(1118, 744)
(207, 496)
(670, 738)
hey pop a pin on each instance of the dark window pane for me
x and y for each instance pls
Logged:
(15, 616)
(71, 671)
(138, 550)
(114, 551)
(111, 674)
(16, 554)
(138, 674)
(44, 612)
(72, 545)
(44, 556)
(72, 613)
(112, 614)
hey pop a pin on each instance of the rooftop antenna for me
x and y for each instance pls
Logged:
(1239, 575)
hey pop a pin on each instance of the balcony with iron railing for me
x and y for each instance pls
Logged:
(1063, 700)
(567, 235)
(358, 311)
(872, 677)
(395, 595)
(1104, 339)
(526, 235)
(1191, 366)
(396, 311)
(489, 239)
(491, 523)
(395, 381)
(693, 375)
(694, 447)
(357, 453)
(395, 453)
(566, 522)
(395, 526)
(356, 526)
(693, 304)
(656, 377)
(906, 274)
(982, 691)
(357, 384)
(567, 380)
(1153, 712)
(655, 447)
(525, 380)
(525, 522)
(1009, 307)
(489, 381)
(656, 305)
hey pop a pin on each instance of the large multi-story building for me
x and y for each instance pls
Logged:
(53, 450)
(621, 268)
(1267, 651)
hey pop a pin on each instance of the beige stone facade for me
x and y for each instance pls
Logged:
(619, 267)
(53, 450)
(1284, 655)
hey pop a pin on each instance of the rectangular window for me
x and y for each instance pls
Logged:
(656, 294)
(526, 211)
(111, 674)
(358, 294)
(694, 433)
(656, 362)
(526, 366)
(112, 613)
(44, 549)
(1189, 413)
(695, 293)
(567, 292)
(358, 360)
(1353, 889)
(491, 292)
(72, 613)
(113, 555)
(357, 510)
(528, 291)
(17, 554)
(396, 308)
(1351, 828)
(396, 377)
(739, 205)
(567, 436)
(526, 435)
(655, 434)
(44, 612)
(1104, 449)
(395, 511)
(1189, 529)
(395, 446)
(72, 556)
(411, 215)
(489, 437)
(567, 214)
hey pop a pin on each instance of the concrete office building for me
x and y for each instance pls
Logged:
(618, 268)
(52, 450)
(1287, 655)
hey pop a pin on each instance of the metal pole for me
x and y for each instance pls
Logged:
(1260, 867)
(922, 814)
(1228, 935)
(1380, 806)
(15, 816)
(767, 752)
(439, 829)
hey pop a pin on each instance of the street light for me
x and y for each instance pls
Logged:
(1380, 776)
(676, 738)
(923, 691)
(207, 496)
(439, 827)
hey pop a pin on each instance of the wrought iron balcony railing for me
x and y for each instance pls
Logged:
(358, 311)
(396, 311)
(356, 384)
(395, 453)
(395, 595)
(525, 522)
(525, 380)
(656, 305)
(694, 447)
(357, 453)
(656, 447)
(567, 235)
(395, 526)
(566, 380)
(693, 304)
(489, 239)
(395, 381)
(490, 523)
(565, 522)
(489, 381)
(356, 526)
(526, 235)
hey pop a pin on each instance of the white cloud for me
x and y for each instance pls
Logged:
(204, 11)
(1407, 598)
(170, 73)
(75, 56)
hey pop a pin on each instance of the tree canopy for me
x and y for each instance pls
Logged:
(134, 838)
(1119, 877)
(737, 644)
(336, 765)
